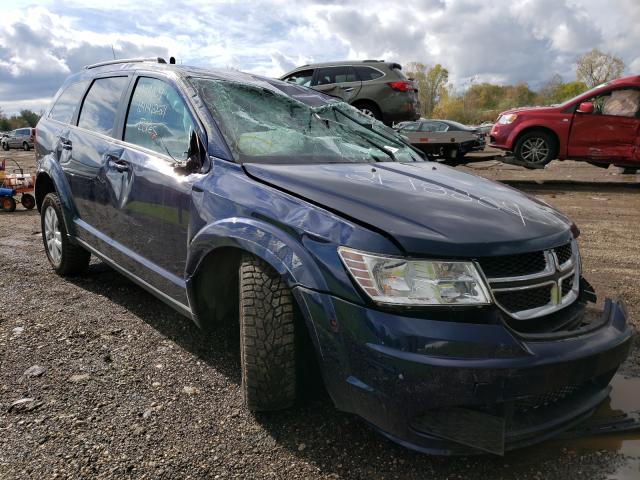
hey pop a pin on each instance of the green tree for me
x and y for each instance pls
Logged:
(30, 117)
(596, 67)
(431, 82)
(451, 107)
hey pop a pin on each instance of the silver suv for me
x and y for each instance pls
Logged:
(19, 138)
(378, 88)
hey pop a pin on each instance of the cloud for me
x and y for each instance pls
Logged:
(500, 40)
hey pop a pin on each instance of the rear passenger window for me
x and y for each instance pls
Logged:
(158, 119)
(367, 73)
(101, 104)
(67, 102)
(335, 75)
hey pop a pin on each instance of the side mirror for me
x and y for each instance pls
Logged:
(585, 107)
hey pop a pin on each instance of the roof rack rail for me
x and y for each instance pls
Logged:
(126, 60)
(372, 61)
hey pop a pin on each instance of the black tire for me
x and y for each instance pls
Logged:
(535, 149)
(73, 259)
(25, 146)
(267, 337)
(8, 204)
(5, 146)
(629, 170)
(369, 109)
(28, 201)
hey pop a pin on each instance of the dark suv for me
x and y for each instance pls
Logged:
(377, 88)
(436, 304)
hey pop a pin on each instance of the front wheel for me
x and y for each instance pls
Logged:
(8, 204)
(25, 146)
(5, 146)
(267, 337)
(536, 149)
(65, 257)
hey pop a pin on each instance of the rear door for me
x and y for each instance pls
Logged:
(85, 157)
(339, 81)
(609, 133)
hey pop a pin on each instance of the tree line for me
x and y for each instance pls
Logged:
(479, 102)
(26, 118)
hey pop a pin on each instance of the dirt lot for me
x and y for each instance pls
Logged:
(126, 388)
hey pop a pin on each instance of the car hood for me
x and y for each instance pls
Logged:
(530, 109)
(427, 208)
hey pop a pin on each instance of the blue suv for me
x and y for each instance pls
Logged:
(446, 310)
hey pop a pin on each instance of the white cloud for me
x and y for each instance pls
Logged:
(498, 40)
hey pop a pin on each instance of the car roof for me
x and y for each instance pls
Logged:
(148, 65)
(368, 63)
(631, 80)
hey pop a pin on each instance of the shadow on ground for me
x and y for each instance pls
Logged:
(315, 432)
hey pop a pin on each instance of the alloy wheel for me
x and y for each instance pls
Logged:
(53, 236)
(367, 112)
(535, 150)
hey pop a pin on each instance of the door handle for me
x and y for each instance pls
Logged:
(66, 143)
(347, 89)
(116, 163)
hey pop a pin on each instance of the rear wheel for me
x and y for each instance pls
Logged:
(25, 146)
(370, 110)
(536, 149)
(5, 146)
(267, 337)
(65, 257)
(28, 201)
(8, 204)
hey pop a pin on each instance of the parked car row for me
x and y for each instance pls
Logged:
(19, 138)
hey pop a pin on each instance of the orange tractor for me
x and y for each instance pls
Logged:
(14, 184)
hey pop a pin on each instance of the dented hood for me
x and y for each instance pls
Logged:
(427, 208)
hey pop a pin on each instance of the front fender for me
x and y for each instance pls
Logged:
(282, 251)
(50, 167)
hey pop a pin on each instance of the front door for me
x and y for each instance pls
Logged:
(340, 82)
(153, 192)
(611, 132)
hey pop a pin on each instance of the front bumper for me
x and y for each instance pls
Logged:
(460, 388)
(501, 136)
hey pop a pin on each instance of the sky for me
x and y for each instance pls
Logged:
(500, 41)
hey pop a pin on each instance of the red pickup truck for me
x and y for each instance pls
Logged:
(601, 126)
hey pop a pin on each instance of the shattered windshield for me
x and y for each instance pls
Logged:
(265, 125)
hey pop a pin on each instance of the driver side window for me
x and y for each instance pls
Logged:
(158, 119)
(618, 103)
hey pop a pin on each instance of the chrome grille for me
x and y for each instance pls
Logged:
(534, 284)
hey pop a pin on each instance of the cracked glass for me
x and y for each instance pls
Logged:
(263, 124)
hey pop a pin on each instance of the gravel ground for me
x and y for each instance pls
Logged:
(123, 387)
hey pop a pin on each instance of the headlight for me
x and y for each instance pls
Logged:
(506, 119)
(415, 282)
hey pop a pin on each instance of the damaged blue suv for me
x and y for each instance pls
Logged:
(446, 310)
